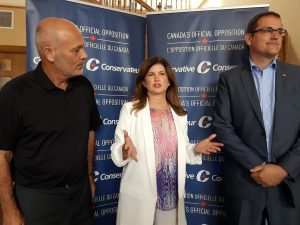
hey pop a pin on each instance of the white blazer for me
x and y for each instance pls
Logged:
(138, 190)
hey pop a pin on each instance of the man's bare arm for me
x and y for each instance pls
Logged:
(11, 213)
(90, 160)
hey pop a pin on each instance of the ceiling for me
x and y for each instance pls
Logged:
(195, 3)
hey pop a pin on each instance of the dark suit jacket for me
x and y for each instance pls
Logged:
(239, 125)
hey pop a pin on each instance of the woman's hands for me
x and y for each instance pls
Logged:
(206, 146)
(128, 148)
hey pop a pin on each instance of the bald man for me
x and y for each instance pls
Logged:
(47, 121)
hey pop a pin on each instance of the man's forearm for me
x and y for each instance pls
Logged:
(91, 151)
(7, 199)
(90, 161)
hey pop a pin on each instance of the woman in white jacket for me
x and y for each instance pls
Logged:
(152, 146)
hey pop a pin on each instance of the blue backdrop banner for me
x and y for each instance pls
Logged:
(115, 43)
(200, 45)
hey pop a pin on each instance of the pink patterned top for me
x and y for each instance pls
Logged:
(165, 145)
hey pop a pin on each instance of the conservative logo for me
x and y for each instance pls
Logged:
(107, 121)
(94, 64)
(205, 175)
(204, 122)
(206, 66)
(105, 176)
(203, 67)
(36, 60)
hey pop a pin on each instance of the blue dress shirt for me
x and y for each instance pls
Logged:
(265, 86)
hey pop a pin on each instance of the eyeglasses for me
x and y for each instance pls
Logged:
(270, 30)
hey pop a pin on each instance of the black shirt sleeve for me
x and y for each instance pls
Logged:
(95, 118)
(9, 122)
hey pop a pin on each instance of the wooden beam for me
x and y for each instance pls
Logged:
(13, 7)
(145, 5)
(12, 49)
(202, 4)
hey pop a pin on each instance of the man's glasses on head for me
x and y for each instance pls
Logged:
(270, 30)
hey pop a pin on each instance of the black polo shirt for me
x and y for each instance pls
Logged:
(47, 128)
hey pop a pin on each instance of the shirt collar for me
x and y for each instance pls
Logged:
(43, 79)
(46, 83)
(271, 65)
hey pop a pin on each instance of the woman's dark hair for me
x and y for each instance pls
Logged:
(140, 96)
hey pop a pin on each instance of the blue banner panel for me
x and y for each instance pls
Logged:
(200, 45)
(115, 43)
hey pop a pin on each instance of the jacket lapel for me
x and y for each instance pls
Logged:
(249, 85)
(280, 82)
(181, 152)
(149, 146)
(279, 88)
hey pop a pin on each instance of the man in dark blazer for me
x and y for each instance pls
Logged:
(257, 117)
